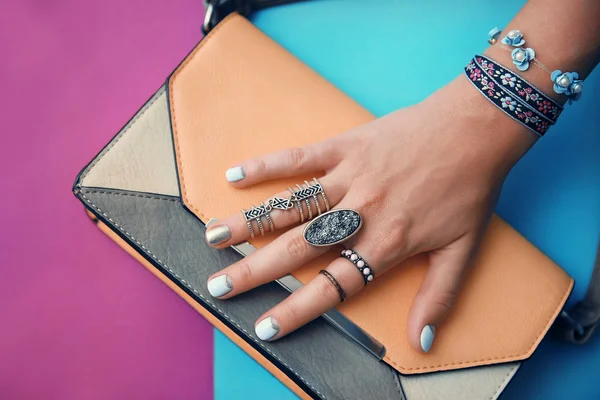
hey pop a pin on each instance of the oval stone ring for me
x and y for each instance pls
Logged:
(332, 227)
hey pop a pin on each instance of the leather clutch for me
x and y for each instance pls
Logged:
(237, 95)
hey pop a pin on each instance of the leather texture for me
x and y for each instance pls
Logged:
(480, 382)
(232, 335)
(472, 383)
(513, 292)
(173, 240)
(140, 157)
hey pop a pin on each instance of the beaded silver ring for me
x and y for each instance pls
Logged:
(365, 270)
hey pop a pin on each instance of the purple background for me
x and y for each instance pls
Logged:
(78, 317)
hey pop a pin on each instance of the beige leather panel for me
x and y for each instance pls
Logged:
(473, 383)
(140, 157)
(239, 95)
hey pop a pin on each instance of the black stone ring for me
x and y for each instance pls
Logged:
(365, 270)
(335, 226)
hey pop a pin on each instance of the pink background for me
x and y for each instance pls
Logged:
(79, 319)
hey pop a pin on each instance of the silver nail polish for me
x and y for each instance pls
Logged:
(267, 329)
(218, 234)
(219, 286)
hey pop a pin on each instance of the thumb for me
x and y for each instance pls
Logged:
(436, 295)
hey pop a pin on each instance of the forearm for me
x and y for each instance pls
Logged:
(565, 35)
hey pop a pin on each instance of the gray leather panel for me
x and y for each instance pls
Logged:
(141, 156)
(173, 238)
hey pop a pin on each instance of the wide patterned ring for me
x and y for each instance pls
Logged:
(365, 270)
(304, 195)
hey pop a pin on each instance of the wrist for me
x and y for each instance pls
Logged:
(498, 140)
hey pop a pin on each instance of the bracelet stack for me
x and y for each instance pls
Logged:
(513, 94)
(495, 87)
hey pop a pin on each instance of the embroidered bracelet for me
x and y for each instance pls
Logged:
(519, 87)
(504, 100)
(567, 83)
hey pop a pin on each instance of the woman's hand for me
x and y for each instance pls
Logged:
(424, 179)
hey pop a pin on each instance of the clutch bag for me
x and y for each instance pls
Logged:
(238, 95)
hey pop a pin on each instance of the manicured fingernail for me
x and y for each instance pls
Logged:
(235, 174)
(427, 336)
(218, 234)
(220, 285)
(267, 328)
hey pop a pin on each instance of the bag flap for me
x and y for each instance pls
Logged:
(239, 95)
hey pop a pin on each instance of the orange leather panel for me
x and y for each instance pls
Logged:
(205, 313)
(239, 95)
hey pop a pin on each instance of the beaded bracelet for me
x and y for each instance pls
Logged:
(543, 105)
(567, 83)
(504, 100)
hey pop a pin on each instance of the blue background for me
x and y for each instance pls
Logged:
(391, 54)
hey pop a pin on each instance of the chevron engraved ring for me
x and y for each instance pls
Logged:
(302, 197)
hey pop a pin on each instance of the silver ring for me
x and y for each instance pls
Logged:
(261, 229)
(296, 198)
(316, 199)
(270, 222)
(365, 270)
(248, 224)
(307, 201)
(298, 205)
(322, 193)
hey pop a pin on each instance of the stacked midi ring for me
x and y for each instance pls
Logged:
(304, 195)
(255, 214)
(335, 283)
(365, 270)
